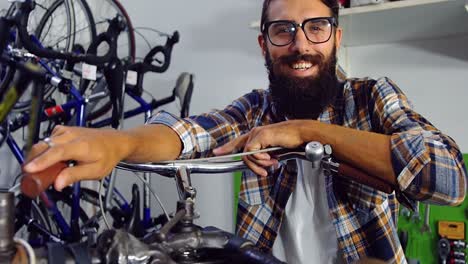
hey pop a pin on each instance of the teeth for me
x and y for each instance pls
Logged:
(301, 66)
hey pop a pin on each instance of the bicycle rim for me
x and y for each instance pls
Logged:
(75, 16)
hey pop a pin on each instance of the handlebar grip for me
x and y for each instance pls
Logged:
(152, 53)
(166, 51)
(34, 184)
(364, 178)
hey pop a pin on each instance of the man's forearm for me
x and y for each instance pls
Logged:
(150, 143)
(368, 151)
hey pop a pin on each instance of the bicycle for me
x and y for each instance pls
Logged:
(12, 95)
(71, 195)
(180, 240)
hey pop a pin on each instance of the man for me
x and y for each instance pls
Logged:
(293, 210)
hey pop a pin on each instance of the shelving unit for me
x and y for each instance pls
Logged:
(402, 21)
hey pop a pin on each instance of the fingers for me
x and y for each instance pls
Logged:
(59, 136)
(232, 146)
(59, 152)
(59, 130)
(258, 166)
(36, 150)
(71, 175)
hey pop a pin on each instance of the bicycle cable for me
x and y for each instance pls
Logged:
(155, 196)
(101, 203)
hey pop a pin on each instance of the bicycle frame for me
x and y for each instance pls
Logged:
(78, 104)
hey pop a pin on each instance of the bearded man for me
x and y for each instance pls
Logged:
(291, 209)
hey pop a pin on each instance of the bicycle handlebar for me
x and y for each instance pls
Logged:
(170, 168)
(166, 50)
(33, 184)
(20, 19)
(147, 64)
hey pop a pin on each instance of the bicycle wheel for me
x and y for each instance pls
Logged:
(80, 24)
(66, 25)
(59, 24)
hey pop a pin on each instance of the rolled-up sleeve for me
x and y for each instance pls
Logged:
(428, 164)
(200, 134)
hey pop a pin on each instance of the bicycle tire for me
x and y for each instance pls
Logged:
(88, 23)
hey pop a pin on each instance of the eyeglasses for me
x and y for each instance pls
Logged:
(282, 32)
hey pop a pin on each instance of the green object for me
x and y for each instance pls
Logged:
(424, 246)
(237, 184)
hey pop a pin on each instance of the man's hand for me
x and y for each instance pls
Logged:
(285, 134)
(96, 152)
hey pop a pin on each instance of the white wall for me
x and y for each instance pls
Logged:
(433, 74)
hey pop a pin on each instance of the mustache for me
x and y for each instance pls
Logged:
(316, 59)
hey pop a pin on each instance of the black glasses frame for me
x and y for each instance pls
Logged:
(267, 25)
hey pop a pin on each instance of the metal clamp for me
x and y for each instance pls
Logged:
(184, 184)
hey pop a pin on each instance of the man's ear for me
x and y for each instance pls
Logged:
(262, 44)
(338, 36)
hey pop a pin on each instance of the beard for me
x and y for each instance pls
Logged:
(302, 97)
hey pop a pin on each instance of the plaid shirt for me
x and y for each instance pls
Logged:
(428, 163)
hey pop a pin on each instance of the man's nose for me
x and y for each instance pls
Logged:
(300, 43)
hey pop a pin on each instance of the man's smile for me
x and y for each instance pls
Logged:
(300, 68)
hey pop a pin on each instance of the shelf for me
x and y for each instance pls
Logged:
(402, 21)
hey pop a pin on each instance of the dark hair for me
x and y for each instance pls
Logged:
(332, 4)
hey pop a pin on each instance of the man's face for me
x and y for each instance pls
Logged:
(302, 74)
